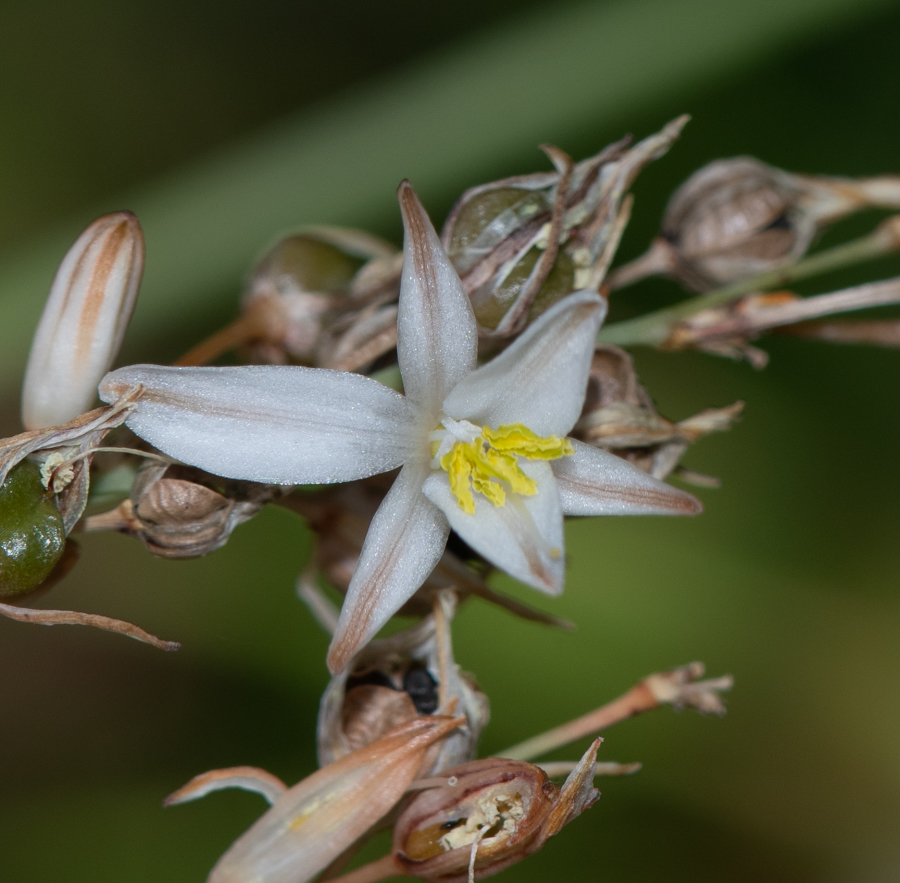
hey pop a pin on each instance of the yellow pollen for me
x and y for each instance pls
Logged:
(482, 464)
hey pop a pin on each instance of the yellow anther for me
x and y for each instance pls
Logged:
(458, 463)
(482, 467)
(518, 439)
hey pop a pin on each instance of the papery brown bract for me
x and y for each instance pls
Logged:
(619, 416)
(319, 818)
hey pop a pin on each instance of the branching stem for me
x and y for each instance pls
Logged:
(655, 328)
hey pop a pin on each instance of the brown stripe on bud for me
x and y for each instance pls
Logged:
(84, 321)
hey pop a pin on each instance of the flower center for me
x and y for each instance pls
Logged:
(487, 462)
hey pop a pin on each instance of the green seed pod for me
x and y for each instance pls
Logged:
(32, 535)
(523, 243)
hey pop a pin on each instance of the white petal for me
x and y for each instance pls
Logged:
(595, 482)
(405, 541)
(524, 537)
(84, 321)
(437, 340)
(273, 424)
(542, 378)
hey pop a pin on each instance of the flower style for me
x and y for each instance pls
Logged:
(483, 450)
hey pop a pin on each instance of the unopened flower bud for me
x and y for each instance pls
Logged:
(491, 814)
(84, 321)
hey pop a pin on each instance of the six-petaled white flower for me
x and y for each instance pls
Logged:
(483, 450)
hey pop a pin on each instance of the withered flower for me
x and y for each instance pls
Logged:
(727, 330)
(312, 823)
(736, 218)
(483, 449)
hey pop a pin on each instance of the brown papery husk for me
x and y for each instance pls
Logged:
(475, 780)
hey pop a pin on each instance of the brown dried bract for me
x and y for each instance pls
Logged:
(619, 416)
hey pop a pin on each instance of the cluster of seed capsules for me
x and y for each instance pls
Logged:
(399, 723)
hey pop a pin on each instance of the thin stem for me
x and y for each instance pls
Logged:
(380, 869)
(679, 687)
(655, 328)
(242, 330)
(149, 455)
(638, 699)
(655, 261)
(564, 767)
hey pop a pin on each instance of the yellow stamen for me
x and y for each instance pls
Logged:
(519, 439)
(482, 467)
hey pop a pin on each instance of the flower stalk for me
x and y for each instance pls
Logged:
(679, 687)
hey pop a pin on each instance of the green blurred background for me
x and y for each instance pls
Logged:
(224, 123)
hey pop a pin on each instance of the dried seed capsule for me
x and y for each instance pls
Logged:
(395, 680)
(84, 321)
(523, 243)
(302, 286)
(32, 534)
(496, 804)
(174, 512)
(491, 814)
(735, 218)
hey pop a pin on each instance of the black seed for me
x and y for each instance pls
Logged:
(422, 689)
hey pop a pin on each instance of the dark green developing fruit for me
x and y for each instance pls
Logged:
(32, 536)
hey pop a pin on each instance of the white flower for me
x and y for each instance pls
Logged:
(483, 451)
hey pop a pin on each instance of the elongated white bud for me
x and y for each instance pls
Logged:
(84, 321)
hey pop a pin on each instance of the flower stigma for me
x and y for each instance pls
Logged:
(483, 460)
